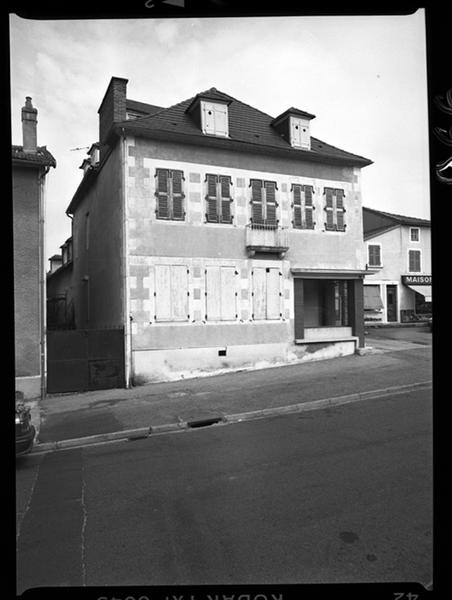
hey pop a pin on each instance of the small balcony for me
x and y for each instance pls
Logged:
(267, 238)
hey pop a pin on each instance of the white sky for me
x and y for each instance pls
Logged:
(364, 78)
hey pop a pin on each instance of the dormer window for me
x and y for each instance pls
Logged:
(299, 133)
(293, 125)
(214, 118)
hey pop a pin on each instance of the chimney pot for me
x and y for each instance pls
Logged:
(29, 127)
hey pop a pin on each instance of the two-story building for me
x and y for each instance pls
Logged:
(218, 236)
(399, 288)
(30, 165)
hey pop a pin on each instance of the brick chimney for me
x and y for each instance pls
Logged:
(29, 123)
(111, 110)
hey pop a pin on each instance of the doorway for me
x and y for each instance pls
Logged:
(391, 303)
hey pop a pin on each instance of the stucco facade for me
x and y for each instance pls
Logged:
(393, 239)
(197, 295)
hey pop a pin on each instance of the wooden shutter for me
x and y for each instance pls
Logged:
(161, 193)
(414, 261)
(340, 209)
(211, 198)
(297, 208)
(308, 208)
(221, 119)
(225, 198)
(374, 255)
(228, 297)
(272, 293)
(213, 293)
(259, 293)
(256, 201)
(179, 293)
(162, 293)
(177, 195)
(329, 208)
(270, 202)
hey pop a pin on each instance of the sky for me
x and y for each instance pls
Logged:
(364, 77)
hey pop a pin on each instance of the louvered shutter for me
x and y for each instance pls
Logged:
(225, 193)
(177, 195)
(161, 193)
(329, 208)
(414, 261)
(211, 198)
(308, 208)
(340, 209)
(374, 255)
(270, 203)
(256, 201)
(297, 220)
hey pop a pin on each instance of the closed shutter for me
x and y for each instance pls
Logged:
(340, 209)
(414, 261)
(221, 119)
(225, 199)
(228, 297)
(177, 195)
(259, 293)
(179, 293)
(256, 201)
(297, 208)
(162, 293)
(374, 255)
(273, 294)
(161, 193)
(213, 293)
(211, 198)
(308, 208)
(270, 203)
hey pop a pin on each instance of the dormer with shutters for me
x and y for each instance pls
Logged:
(210, 112)
(293, 125)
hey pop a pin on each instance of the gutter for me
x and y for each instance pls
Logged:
(127, 317)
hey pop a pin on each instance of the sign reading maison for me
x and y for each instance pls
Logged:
(417, 279)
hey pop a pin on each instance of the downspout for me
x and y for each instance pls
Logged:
(42, 283)
(127, 317)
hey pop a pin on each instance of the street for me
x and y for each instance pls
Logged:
(342, 494)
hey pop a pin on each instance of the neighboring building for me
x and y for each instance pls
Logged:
(399, 254)
(217, 236)
(30, 165)
(60, 306)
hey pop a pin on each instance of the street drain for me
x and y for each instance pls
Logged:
(204, 422)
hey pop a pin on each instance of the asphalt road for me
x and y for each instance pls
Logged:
(336, 495)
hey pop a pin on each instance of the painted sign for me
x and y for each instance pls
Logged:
(417, 279)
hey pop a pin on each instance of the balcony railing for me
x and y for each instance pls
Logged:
(266, 238)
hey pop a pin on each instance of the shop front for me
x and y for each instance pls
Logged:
(419, 291)
(328, 307)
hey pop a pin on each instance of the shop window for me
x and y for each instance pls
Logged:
(326, 303)
(263, 203)
(218, 199)
(302, 206)
(414, 261)
(169, 194)
(334, 209)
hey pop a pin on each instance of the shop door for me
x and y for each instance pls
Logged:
(391, 302)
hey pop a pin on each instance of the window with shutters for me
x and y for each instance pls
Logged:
(374, 255)
(266, 293)
(263, 203)
(171, 293)
(169, 194)
(334, 209)
(302, 206)
(221, 293)
(414, 261)
(218, 199)
(214, 118)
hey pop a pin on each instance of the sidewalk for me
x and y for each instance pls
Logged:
(121, 413)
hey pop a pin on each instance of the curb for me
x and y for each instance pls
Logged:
(145, 432)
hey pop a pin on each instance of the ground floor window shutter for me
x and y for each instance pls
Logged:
(273, 298)
(213, 294)
(171, 293)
